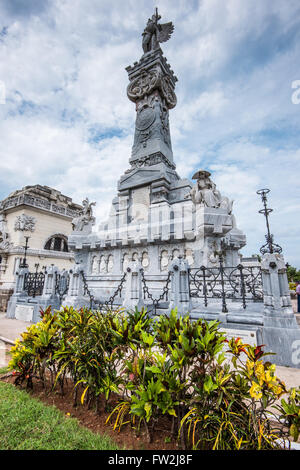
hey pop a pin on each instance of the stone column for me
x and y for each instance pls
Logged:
(133, 287)
(20, 280)
(123, 218)
(49, 297)
(277, 299)
(180, 289)
(49, 283)
(75, 296)
(19, 292)
(281, 333)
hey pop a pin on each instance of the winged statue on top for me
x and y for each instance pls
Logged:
(154, 33)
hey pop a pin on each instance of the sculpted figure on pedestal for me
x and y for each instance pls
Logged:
(86, 218)
(205, 192)
(155, 33)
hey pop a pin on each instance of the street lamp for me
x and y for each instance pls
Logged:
(270, 246)
(24, 261)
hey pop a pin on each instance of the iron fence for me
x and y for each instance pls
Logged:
(34, 283)
(62, 281)
(240, 283)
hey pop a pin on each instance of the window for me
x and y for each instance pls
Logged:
(57, 243)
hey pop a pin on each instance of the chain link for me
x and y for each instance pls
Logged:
(107, 303)
(148, 293)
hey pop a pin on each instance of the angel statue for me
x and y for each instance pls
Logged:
(155, 33)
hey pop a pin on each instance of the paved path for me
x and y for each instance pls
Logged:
(11, 328)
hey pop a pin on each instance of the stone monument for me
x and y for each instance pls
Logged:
(168, 243)
(156, 216)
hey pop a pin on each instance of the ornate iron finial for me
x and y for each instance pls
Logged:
(270, 246)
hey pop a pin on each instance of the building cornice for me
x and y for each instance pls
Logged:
(19, 250)
(44, 199)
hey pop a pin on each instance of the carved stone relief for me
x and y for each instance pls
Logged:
(102, 265)
(189, 256)
(25, 222)
(95, 265)
(125, 262)
(164, 260)
(150, 160)
(150, 80)
(145, 260)
(110, 263)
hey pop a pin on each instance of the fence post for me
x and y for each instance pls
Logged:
(20, 281)
(133, 286)
(277, 299)
(19, 291)
(49, 282)
(180, 288)
(75, 295)
(281, 332)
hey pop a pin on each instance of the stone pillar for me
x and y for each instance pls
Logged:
(154, 224)
(19, 292)
(133, 287)
(281, 332)
(49, 283)
(20, 280)
(123, 218)
(277, 299)
(49, 297)
(180, 289)
(75, 296)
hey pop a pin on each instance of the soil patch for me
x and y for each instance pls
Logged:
(161, 438)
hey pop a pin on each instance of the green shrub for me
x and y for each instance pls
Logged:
(166, 366)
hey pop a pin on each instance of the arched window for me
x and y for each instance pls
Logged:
(57, 243)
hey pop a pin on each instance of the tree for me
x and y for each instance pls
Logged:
(292, 273)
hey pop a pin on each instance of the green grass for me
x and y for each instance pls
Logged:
(28, 424)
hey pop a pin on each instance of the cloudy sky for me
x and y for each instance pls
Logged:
(66, 122)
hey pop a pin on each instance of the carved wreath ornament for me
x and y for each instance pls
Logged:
(147, 82)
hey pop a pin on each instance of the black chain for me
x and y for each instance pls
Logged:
(150, 296)
(107, 303)
(86, 290)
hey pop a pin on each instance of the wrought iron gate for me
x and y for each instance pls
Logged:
(34, 283)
